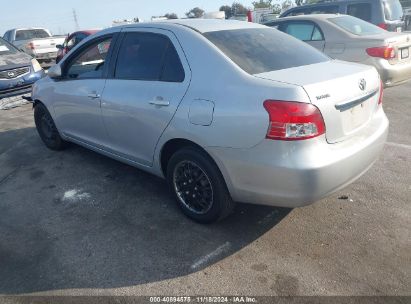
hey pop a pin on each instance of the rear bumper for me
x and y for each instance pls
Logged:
(294, 174)
(393, 75)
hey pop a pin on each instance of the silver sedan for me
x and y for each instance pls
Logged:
(352, 39)
(226, 111)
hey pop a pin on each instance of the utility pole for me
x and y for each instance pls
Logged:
(75, 19)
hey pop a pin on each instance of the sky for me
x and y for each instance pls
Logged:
(57, 16)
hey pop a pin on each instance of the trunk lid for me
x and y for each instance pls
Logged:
(346, 93)
(402, 46)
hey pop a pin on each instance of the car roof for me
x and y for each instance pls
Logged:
(88, 32)
(309, 17)
(201, 25)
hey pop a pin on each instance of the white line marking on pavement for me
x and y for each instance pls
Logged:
(212, 255)
(398, 145)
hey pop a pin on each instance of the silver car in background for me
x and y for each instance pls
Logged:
(224, 110)
(352, 39)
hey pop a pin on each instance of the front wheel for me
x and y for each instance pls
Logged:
(47, 129)
(198, 186)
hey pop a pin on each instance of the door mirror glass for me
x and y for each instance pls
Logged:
(55, 71)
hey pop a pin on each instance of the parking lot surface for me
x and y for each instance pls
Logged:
(78, 223)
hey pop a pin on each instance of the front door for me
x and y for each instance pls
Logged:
(77, 96)
(150, 79)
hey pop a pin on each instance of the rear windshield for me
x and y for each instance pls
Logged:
(356, 26)
(264, 49)
(31, 34)
(393, 10)
(6, 48)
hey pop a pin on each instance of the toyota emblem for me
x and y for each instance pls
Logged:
(10, 74)
(362, 84)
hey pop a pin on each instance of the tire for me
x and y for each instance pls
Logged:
(47, 129)
(198, 186)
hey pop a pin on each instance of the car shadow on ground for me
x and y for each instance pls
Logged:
(76, 219)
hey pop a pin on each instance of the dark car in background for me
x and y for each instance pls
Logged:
(387, 14)
(18, 71)
(71, 41)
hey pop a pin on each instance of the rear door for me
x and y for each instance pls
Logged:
(148, 82)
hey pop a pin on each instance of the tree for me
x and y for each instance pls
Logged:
(195, 13)
(263, 4)
(238, 9)
(299, 2)
(171, 16)
(227, 10)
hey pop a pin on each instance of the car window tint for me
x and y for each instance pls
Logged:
(260, 50)
(90, 63)
(317, 35)
(141, 56)
(356, 26)
(31, 34)
(302, 31)
(360, 10)
(173, 70)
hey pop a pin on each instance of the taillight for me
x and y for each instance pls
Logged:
(385, 52)
(381, 93)
(384, 26)
(30, 46)
(293, 120)
(249, 16)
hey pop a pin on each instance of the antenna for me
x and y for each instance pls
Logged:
(75, 19)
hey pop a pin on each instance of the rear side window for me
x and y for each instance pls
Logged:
(150, 57)
(31, 34)
(393, 10)
(305, 31)
(264, 49)
(360, 10)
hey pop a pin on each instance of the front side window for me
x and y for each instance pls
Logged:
(149, 57)
(356, 26)
(304, 31)
(261, 50)
(360, 10)
(91, 62)
(31, 34)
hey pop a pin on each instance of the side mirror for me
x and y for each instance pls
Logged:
(55, 71)
(60, 46)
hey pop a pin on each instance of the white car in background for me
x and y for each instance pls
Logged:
(37, 42)
(224, 110)
(352, 39)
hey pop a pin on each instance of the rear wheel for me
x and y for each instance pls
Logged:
(198, 186)
(47, 129)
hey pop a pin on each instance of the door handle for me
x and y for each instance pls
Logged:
(93, 95)
(160, 102)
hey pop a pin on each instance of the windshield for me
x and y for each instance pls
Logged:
(264, 49)
(356, 26)
(6, 48)
(31, 34)
(393, 10)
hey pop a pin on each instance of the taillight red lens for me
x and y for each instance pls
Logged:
(384, 26)
(381, 93)
(293, 120)
(385, 52)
